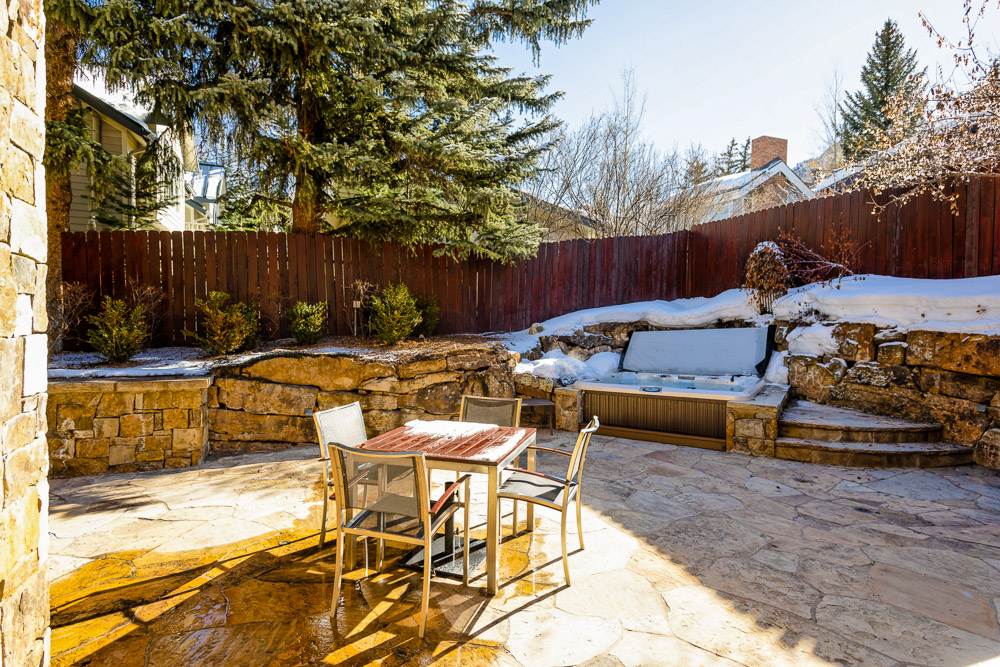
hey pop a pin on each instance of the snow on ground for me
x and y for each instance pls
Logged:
(701, 311)
(554, 365)
(160, 362)
(966, 304)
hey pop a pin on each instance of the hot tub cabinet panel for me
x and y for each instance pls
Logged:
(677, 420)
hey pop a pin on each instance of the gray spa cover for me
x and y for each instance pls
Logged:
(697, 351)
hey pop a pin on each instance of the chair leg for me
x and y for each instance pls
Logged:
(425, 600)
(514, 526)
(565, 514)
(579, 517)
(466, 545)
(338, 578)
(322, 527)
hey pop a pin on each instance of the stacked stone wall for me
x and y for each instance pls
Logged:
(98, 426)
(24, 608)
(948, 378)
(268, 403)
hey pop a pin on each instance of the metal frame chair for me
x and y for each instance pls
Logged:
(344, 425)
(400, 511)
(553, 491)
(485, 410)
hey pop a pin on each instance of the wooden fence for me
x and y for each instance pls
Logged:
(922, 239)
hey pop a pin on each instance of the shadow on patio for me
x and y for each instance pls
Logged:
(693, 557)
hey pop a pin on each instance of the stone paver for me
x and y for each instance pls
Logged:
(692, 557)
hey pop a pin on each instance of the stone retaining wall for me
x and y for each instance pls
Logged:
(752, 426)
(268, 403)
(127, 425)
(952, 379)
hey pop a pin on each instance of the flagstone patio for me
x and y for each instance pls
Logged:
(692, 557)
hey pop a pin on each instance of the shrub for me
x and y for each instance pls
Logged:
(307, 322)
(251, 318)
(394, 314)
(226, 326)
(430, 315)
(66, 313)
(766, 276)
(118, 331)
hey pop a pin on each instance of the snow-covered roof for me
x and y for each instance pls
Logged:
(744, 182)
(837, 178)
(208, 184)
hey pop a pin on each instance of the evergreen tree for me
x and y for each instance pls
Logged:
(889, 70)
(387, 118)
(696, 167)
(744, 161)
(733, 160)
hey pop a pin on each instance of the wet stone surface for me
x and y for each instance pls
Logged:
(692, 557)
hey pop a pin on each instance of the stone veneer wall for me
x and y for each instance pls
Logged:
(24, 597)
(948, 378)
(127, 425)
(267, 403)
(752, 426)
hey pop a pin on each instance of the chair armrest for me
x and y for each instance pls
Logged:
(552, 478)
(449, 492)
(549, 449)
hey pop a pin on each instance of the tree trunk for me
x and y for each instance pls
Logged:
(307, 207)
(60, 63)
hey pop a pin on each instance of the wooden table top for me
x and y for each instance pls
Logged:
(487, 447)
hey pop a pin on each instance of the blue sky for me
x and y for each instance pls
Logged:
(715, 70)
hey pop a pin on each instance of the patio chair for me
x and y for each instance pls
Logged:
(551, 490)
(344, 425)
(483, 410)
(400, 509)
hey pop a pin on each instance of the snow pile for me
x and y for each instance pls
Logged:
(777, 371)
(965, 304)
(447, 429)
(557, 366)
(816, 339)
(680, 313)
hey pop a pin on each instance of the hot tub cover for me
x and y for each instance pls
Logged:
(697, 351)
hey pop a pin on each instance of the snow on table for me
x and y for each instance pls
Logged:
(448, 429)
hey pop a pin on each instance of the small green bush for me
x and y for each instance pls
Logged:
(394, 314)
(251, 316)
(307, 322)
(118, 331)
(430, 315)
(226, 327)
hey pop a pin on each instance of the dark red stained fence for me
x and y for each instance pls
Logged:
(923, 239)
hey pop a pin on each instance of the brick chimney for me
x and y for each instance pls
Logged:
(765, 149)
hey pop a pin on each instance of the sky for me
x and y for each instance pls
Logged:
(730, 68)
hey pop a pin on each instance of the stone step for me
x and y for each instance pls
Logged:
(811, 421)
(874, 454)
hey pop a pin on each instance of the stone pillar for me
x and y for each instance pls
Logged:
(24, 598)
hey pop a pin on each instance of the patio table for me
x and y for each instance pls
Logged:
(463, 447)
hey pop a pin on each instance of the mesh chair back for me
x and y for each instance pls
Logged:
(344, 425)
(580, 450)
(390, 484)
(499, 411)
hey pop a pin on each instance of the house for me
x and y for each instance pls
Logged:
(125, 130)
(558, 223)
(204, 190)
(768, 182)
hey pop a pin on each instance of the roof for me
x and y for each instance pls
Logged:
(106, 108)
(744, 182)
(208, 184)
(838, 179)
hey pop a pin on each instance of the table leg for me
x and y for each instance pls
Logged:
(492, 531)
(531, 506)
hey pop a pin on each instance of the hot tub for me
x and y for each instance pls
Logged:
(686, 406)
